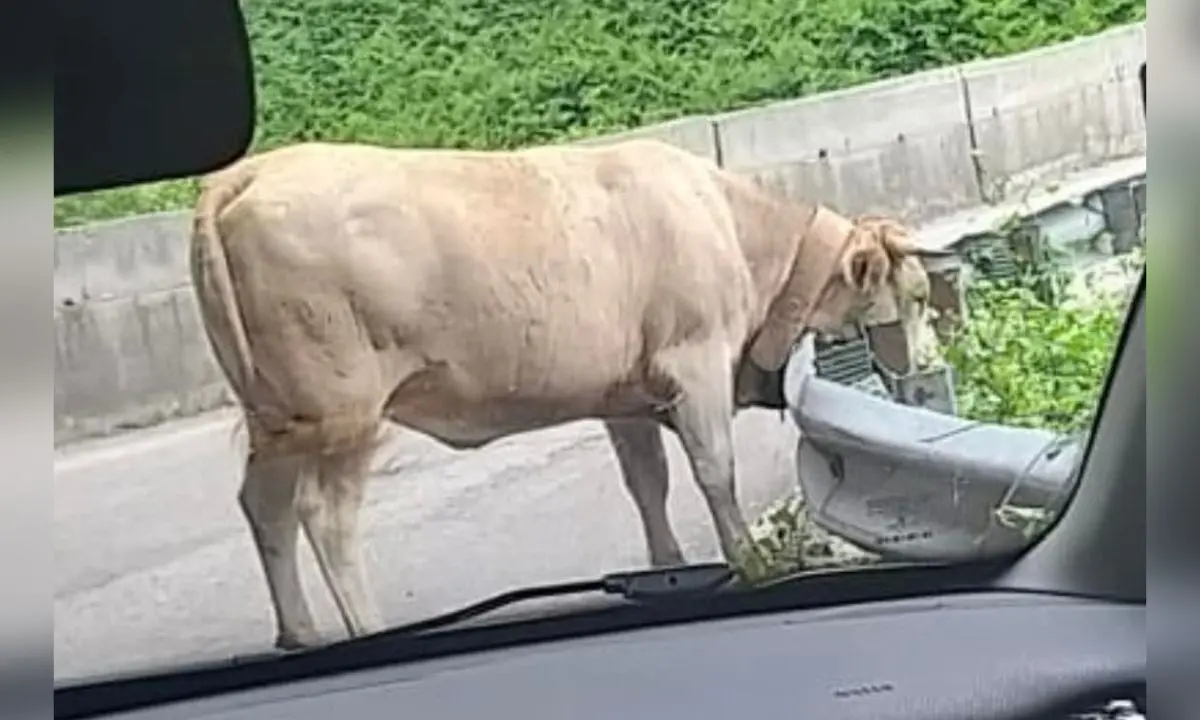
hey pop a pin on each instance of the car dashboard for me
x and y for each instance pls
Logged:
(970, 656)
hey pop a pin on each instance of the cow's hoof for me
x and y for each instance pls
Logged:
(298, 640)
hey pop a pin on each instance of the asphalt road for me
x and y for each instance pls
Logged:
(155, 565)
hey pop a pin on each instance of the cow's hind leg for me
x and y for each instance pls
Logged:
(268, 500)
(329, 510)
(643, 459)
(702, 416)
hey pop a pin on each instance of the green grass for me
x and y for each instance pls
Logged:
(507, 73)
(1023, 360)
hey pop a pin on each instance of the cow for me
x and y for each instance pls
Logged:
(470, 295)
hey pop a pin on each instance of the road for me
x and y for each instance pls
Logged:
(155, 565)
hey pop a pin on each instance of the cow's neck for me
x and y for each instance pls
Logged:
(767, 227)
(817, 261)
(794, 250)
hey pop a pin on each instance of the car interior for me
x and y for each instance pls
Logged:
(1055, 630)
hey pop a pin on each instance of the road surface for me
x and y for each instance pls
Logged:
(155, 565)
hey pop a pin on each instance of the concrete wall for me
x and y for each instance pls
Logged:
(901, 146)
(697, 135)
(1039, 115)
(130, 350)
(129, 347)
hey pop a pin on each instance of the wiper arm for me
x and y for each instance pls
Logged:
(639, 586)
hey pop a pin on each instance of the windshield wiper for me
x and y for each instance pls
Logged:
(638, 586)
(655, 586)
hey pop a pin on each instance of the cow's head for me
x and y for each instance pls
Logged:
(847, 273)
(881, 280)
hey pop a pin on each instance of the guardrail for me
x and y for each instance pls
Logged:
(130, 350)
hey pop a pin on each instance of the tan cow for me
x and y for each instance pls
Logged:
(472, 295)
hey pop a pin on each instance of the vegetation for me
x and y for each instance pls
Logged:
(1027, 358)
(493, 74)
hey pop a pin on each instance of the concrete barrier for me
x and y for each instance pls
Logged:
(120, 258)
(130, 349)
(1059, 109)
(900, 146)
(697, 135)
(131, 362)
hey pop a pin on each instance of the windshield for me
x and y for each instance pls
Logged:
(805, 329)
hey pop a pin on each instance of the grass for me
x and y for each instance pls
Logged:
(1025, 360)
(492, 74)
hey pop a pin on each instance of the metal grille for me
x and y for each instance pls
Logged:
(873, 385)
(932, 389)
(846, 362)
(991, 257)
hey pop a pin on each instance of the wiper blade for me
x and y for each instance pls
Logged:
(639, 586)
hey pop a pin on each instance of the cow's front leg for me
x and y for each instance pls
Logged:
(702, 416)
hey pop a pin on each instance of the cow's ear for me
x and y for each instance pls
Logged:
(865, 267)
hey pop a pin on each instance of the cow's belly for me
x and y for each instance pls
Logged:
(473, 425)
(463, 415)
(478, 428)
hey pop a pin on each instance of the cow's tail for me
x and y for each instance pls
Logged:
(213, 280)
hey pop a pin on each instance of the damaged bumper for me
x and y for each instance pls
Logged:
(910, 483)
